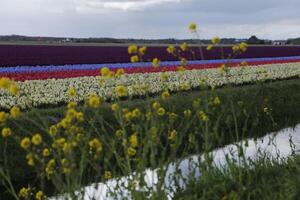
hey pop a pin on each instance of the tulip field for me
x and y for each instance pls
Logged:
(96, 122)
(51, 82)
(34, 55)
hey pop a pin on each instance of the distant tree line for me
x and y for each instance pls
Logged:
(16, 38)
(252, 40)
(294, 41)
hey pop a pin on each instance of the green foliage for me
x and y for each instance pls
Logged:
(264, 179)
(247, 103)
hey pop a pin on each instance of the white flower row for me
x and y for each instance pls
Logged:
(54, 91)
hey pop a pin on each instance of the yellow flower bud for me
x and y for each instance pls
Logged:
(193, 27)
(6, 132)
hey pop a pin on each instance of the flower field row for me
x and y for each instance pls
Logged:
(23, 73)
(21, 69)
(54, 91)
(14, 55)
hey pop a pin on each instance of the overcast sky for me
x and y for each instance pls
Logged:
(272, 19)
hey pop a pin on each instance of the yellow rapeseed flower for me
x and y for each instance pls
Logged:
(114, 107)
(125, 110)
(156, 105)
(53, 130)
(5, 83)
(172, 116)
(120, 72)
(136, 113)
(184, 46)
(46, 152)
(95, 146)
(59, 143)
(155, 62)
(80, 116)
(30, 159)
(39, 195)
(185, 86)
(235, 48)
(107, 175)
(15, 112)
(79, 137)
(187, 113)
(216, 101)
(132, 49)
(67, 147)
(105, 72)
(148, 115)
(50, 168)
(121, 91)
(73, 129)
(131, 151)
(24, 193)
(133, 139)
(142, 50)
(66, 122)
(6, 132)
(128, 116)
(193, 27)
(165, 94)
(143, 87)
(209, 47)
(172, 135)
(203, 116)
(243, 46)
(266, 110)
(93, 101)
(183, 62)
(25, 143)
(67, 170)
(3, 117)
(71, 113)
(71, 105)
(216, 40)
(171, 49)
(119, 133)
(14, 89)
(134, 59)
(71, 92)
(37, 139)
(161, 111)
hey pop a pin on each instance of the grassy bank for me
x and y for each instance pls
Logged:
(264, 179)
(240, 114)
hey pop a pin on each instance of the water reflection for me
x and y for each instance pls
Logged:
(275, 145)
(281, 145)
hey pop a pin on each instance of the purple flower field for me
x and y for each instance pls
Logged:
(32, 55)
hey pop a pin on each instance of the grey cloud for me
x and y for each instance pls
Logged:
(159, 19)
